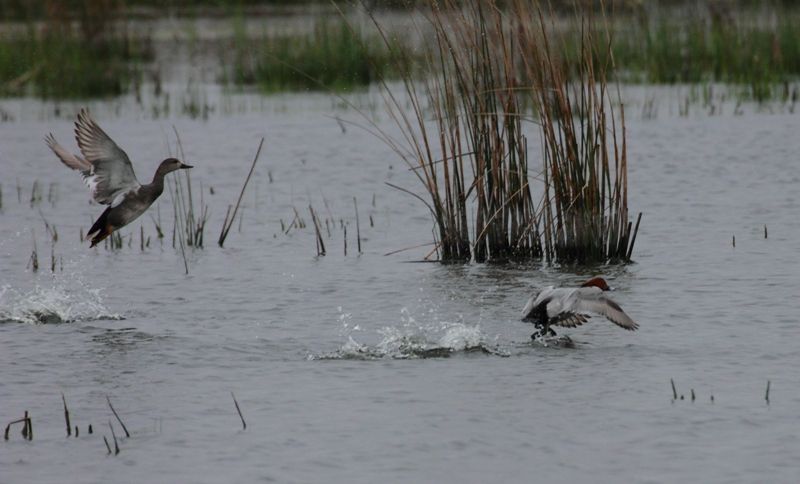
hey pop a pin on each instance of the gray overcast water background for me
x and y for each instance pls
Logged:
(324, 354)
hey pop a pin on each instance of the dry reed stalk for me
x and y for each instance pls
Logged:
(66, 417)
(318, 232)
(226, 226)
(358, 227)
(585, 150)
(27, 429)
(114, 435)
(239, 411)
(127, 434)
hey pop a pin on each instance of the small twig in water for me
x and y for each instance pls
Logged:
(692, 394)
(358, 226)
(765, 231)
(320, 242)
(27, 430)
(114, 435)
(24, 420)
(674, 391)
(108, 447)
(239, 411)
(766, 395)
(66, 417)
(127, 434)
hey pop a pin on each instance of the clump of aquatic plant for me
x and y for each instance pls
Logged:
(473, 158)
(585, 207)
(189, 217)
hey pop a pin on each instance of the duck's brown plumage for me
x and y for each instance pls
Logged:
(109, 173)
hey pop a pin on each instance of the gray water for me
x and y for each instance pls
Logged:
(327, 355)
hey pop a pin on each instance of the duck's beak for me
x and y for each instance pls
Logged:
(184, 166)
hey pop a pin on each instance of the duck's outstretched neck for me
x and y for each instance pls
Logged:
(157, 185)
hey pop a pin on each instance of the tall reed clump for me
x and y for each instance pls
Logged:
(488, 213)
(492, 66)
(585, 207)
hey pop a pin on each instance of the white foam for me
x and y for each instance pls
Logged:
(55, 304)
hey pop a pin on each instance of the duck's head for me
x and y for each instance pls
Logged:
(597, 282)
(171, 164)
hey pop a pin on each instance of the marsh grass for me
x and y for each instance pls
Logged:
(585, 207)
(757, 50)
(493, 66)
(92, 57)
(333, 56)
(190, 212)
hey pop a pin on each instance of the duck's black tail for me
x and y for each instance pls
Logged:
(100, 229)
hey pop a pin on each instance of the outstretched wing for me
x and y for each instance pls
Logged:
(73, 161)
(608, 308)
(112, 173)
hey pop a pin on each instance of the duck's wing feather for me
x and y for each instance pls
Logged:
(536, 299)
(112, 173)
(608, 308)
(570, 320)
(73, 161)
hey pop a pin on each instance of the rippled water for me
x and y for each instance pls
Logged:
(377, 368)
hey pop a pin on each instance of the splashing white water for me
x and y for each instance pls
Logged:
(414, 340)
(54, 304)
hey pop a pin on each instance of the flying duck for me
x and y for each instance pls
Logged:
(566, 307)
(109, 173)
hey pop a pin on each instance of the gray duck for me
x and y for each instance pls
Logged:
(109, 173)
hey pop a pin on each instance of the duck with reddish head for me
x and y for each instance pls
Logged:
(568, 307)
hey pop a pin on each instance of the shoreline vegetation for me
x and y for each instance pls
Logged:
(91, 50)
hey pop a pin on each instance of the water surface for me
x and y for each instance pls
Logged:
(325, 354)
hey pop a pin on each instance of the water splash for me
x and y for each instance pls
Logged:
(410, 341)
(56, 304)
